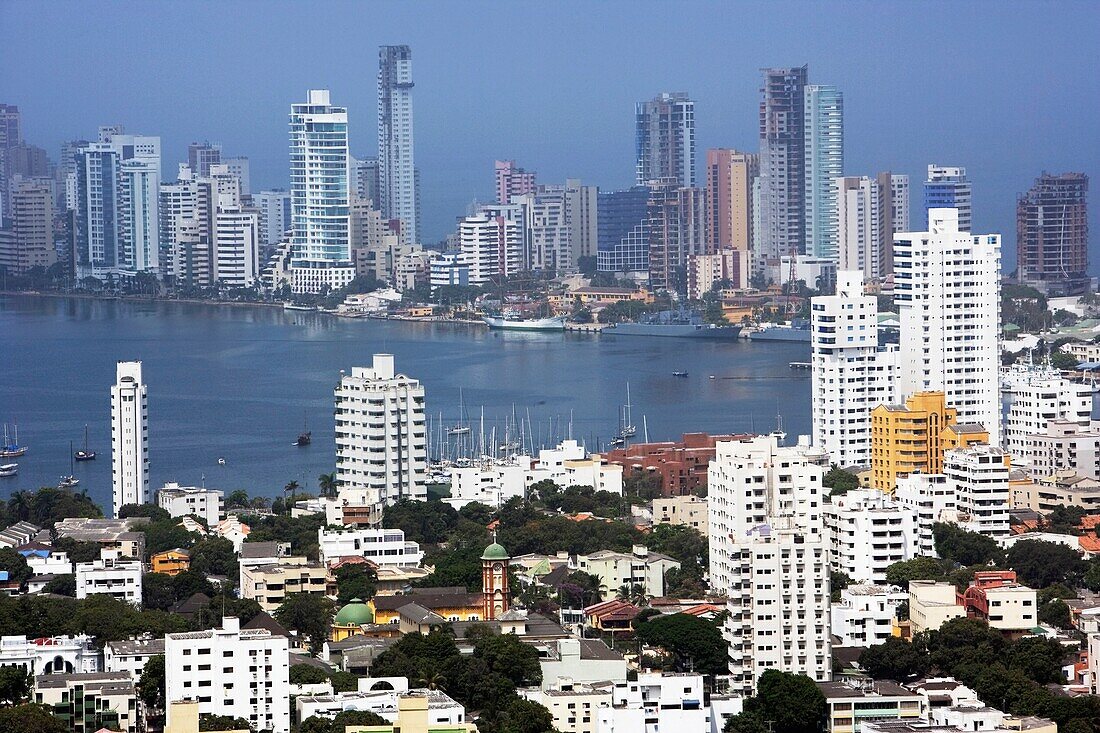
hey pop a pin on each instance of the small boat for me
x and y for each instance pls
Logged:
(221, 461)
(11, 448)
(84, 454)
(713, 377)
(679, 374)
(9, 469)
(297, 307)
(511, 321)
(627, 428)
(67, 482)
(459, 430)
(305, 437)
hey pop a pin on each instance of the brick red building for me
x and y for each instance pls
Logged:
(682, 465)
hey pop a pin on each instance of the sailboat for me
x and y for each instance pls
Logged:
(67, 482)
(84, 454)
(11, 448)
(305, 437)
(458, 428)
(628, 429)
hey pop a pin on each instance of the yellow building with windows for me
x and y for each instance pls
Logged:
(914, 436)
(170, 562)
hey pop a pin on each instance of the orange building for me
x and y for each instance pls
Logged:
(170, 562)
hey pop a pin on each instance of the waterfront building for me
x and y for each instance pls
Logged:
(948, 291)
(979, 476)
(682, 465)
(182, 501)
(681, 511)
(726, 265)
(729, 198)
(32, 227)
(870, 211)
(320, 252)
(511, 180)
(381, 438)
(92, 701)
(200, 156)
(948, 187)
(546, 229)
(677, 231)
(398, 182)
(865, 614)
(852, 373)
(1038, 401)
(231, 672)
(664, 139)
(932, 498)
(274, 215)
(129, 436)
(769, 557)
(491, 243)
(623, 231)
(50, 655)
(382, 547)
(112, 575)
(782, 163)
(824, 150)
(1052, 234)
(270, 584)
(581, 213)
(448, 269)
(867, 533)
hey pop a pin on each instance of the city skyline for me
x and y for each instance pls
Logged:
(566, 126)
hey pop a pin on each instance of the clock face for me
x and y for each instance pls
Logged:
(497, 566)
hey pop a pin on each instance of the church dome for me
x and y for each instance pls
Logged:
(495, 551)
(355, 613)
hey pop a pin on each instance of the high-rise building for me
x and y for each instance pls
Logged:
(824, 150)
(770, 558)
(1052, 234)
(581, 215)
(233, 672)
(365, 182)
(869, 212)
(381, 437)
(665, 139)
(511, 180)
(947, 285)
(129, 436)
(782, 163)
(320, 253)
(623, 231)
(729, 265)
(547, 233)
(200, 156)
(491, 242)
(239, 168)
(117, 222)
(868, 532)
(852, 373)
(398, 186)
(947, 187)
(729, 198)
(1036, 402)
(32, 226)
(11, 136)
(979, 475)
(274, 209)
(677, 231)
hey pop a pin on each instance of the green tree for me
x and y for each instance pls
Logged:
(308, 614)
(506, 654)
(152, 511)
(525, 716)
(222, 722)
(151, 683)
(15, 685)
(966, 548)
(426, 522)
(214, 556)
(307, 674)
(1040, 564)
(164, 535)
(339, 724)
(746, 723)
(30, 719)
(839, 481)
(157, 591)
(355, 581)
(1062, 360)
(326, 482)
(48, 505)
(62, 585)
(77, 551)
(919, 568)
(16, 567)
(792, 703)
(896, 660)
(838, 582)
(695, 643)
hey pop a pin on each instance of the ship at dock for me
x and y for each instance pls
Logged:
(510, 321)
(674, 324)
(796, 330)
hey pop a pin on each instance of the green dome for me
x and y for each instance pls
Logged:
(355, 613)
(495, 551)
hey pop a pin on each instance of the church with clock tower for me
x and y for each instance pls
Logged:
(494, 581)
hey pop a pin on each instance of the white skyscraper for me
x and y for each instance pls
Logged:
(274, 208)
(491, 242)
(381, 437)
(869, 212)
(824, 131)
(1037, 401)
(948, 290)
(129, 436)
(979, 477)
(398, 187)
(851, 373)
(320, 252)
(948, 187)
(868, 532)
(769, 557)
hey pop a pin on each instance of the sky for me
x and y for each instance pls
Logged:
(1005, 89)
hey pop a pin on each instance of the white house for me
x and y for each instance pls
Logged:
(110, 575)
(181, 501)
(865, 614)
(53, 655)
(383, 547)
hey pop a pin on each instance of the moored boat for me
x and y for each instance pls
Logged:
(9, 469)
(513, 322)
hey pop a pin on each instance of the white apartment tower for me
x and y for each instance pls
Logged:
(868, 532)
(851, 373)
(769, 556)
(870, 211)
(381, 437)
(230, 671)
(979, 476)
(129, 436)
(398, 186)
(320, 253)
(947, 286)
(491, 242)
(1037, 401)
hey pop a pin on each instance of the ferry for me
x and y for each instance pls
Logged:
(514, 322)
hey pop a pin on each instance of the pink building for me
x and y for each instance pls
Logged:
(512, 181)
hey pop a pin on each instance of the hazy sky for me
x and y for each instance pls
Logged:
(1005, 89)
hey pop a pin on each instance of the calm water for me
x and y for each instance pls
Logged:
(237, 382)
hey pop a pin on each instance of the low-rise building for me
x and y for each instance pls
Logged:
(383, 547)
(1045, 493)
(865, 614)
(18, 534)
(234, 530)
(185, 718)
(657, 702)
(253, 554)
(682, 465)
(182, 501)
(581, 660)
(130, 655)
(868, 532)
(421, 711)
(170, 562)
(852, 703)
(269, 585)
(111, 575)
(931, 604)
(995, 596)
(681, 511)
(46, 560)
(91, 701)
(51, 655)
(637, 568)
(109, 534)
(939, 692)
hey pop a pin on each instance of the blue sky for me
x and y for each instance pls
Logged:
(1006, 89)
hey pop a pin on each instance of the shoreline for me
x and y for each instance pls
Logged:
(138, 298)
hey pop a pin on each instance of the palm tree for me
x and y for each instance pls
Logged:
(327, 483)
(432, 680)
(291, 488)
